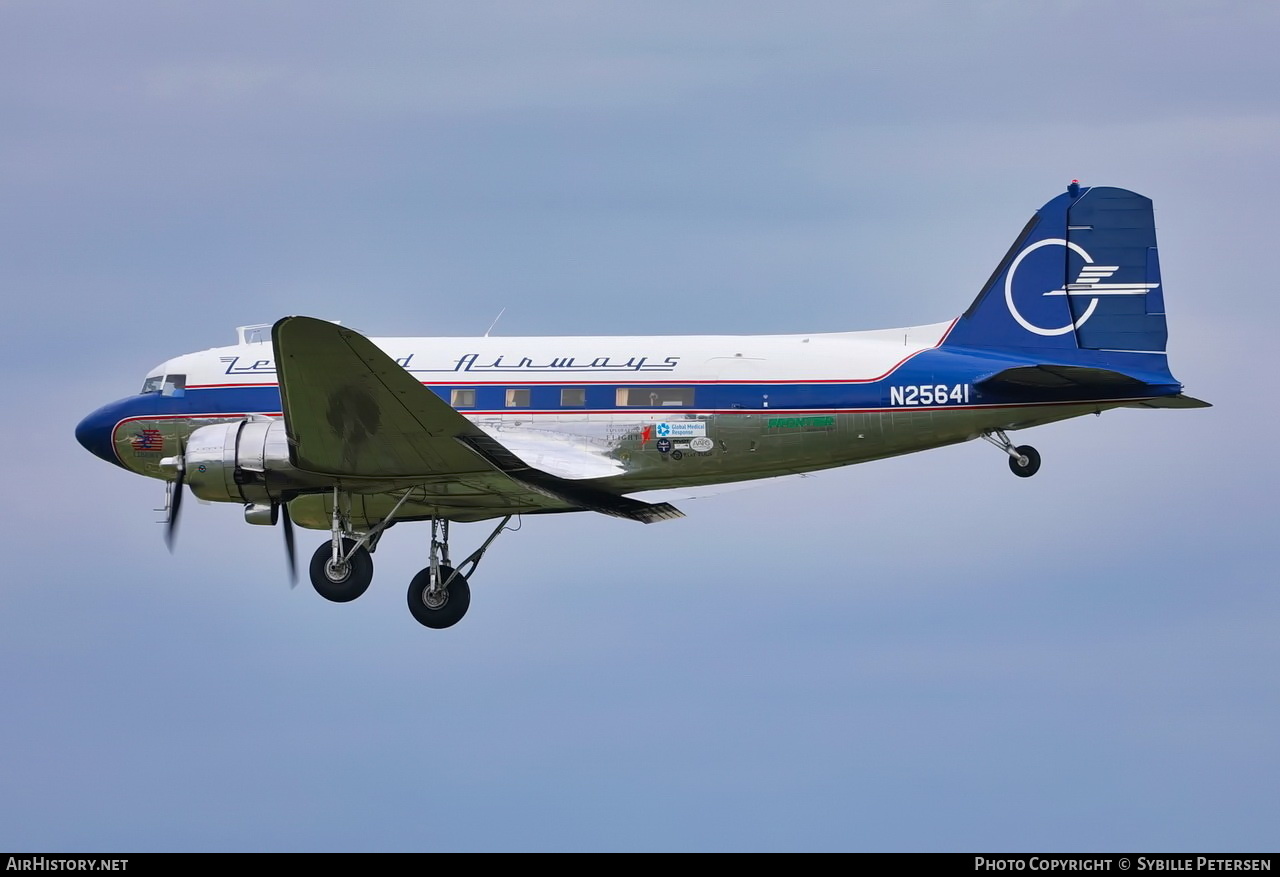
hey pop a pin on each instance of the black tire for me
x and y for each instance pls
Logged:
(353, 584)
(1033, 462)
(457, 599)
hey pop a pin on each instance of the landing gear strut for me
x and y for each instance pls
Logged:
(440, 595)
(1024, 460)
(342, 568)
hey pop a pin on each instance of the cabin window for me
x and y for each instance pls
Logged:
(152, 384)
(573, 397)
(463, 398)
(655, 397)
(518, 398)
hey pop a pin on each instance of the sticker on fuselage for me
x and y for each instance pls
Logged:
(148, 441)
(663, 445)
(701, 444)
(683, 429)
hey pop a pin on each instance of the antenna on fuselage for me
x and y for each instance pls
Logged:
(495, 322)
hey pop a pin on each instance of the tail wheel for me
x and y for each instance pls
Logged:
(443, 607)
(1032, 461)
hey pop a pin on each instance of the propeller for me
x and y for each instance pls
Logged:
(177, 465)
(175, 499)
(287, 523)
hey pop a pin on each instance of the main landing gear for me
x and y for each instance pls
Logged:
(439, 595)
(1024, 460)
(341, 571)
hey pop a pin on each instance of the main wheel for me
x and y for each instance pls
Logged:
(344, 583)
(442, 608)
(1031, 467)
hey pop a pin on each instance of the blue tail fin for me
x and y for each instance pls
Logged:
(1082, 275)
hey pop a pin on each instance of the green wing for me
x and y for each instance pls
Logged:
(353, 413)
(351, 410)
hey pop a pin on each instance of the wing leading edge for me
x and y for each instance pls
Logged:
(353, 412)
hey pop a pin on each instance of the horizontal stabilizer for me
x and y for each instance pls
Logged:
(1178, 401)
(1060, 377)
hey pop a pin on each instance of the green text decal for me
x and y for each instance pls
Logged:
(796, 422)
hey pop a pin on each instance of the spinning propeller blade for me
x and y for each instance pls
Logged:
(287, 523)
(175, 506)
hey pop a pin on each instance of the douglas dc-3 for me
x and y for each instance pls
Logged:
(335, 431)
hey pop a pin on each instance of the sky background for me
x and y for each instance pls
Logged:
(923, 653)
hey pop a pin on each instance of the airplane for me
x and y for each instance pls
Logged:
(313, 423)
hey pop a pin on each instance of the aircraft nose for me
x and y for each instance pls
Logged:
(94, 434)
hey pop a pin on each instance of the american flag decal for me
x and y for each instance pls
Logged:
(149, 440)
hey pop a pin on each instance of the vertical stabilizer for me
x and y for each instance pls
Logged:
(1083, 275)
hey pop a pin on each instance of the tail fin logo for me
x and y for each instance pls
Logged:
(1088, 283)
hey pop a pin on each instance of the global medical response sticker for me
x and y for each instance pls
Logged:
(683, 429)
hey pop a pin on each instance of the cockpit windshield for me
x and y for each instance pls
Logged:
(166, 385)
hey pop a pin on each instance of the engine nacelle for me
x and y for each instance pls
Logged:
(246, 461)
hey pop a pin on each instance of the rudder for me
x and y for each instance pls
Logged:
(1084, 274)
